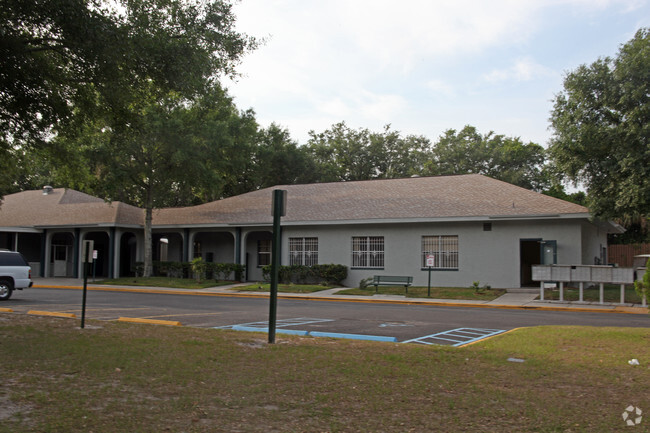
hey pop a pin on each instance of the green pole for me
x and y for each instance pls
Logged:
(279, 197)
(83, 300)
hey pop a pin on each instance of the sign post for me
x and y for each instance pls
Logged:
(279, 210)
(431, 262)
(86, 257)
(95, 255)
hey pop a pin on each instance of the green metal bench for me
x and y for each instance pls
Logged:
(391, 280)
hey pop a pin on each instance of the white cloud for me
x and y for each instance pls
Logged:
(411, 63)
(369, 106)
(523, 69)
(441, 88)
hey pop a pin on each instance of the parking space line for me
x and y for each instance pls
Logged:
(458, 336)
(282, 323)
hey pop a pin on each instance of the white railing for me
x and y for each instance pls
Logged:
(582, 274)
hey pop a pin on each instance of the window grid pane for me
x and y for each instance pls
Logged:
(303, 251)
(444, 249)
(311, 251)
(263, 252)
(368, 251)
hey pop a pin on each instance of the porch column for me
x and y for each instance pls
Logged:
(43, 252)
(238, 246)
(111, 252)
(75, 252)
(190, 245)
(186, 245)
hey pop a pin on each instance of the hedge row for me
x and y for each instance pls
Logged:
(316, 274)
(215, 271)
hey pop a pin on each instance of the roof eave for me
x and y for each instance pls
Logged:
(478, 218)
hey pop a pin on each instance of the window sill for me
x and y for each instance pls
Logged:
(440, 269)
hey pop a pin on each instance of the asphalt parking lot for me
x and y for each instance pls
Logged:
(420, 324)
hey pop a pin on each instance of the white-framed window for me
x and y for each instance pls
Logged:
(263, 252)
(303, 251)
(444, 250)
(367, 251)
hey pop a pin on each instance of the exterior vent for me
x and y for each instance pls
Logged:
(47, 190)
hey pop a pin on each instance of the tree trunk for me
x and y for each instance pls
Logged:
(148, 259)
(148, 241)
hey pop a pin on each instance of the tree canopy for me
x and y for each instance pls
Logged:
(500, 157)
(58, 55)
(601, 124)
(342, 153)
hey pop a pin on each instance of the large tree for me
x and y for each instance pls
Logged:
(342, 153)
(500, 157)
(85, 57)
(278, 160)
(172, 152)
(601, 124)
(56, 53)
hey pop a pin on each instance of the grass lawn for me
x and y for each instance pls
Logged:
(118, 377)
(436, 292)
(284, 288)
(176, 283)
(612, 293)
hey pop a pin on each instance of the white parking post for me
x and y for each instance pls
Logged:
(622, 293)
(602, 293)
(582, 291)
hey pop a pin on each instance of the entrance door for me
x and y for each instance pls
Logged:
(535, 252)
(60, 260)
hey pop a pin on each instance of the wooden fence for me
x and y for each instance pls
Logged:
(623, 255)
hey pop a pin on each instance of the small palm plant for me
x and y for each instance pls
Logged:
(198, 268)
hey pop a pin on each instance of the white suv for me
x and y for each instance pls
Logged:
(15, 273)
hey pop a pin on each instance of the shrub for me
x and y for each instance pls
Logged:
(365, 282)
(208, 270)
(476, 285)
(198, 267)
(316, 274)
(228, 271)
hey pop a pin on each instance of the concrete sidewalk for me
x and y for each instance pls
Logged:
(521, 299)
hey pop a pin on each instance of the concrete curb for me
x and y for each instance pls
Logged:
(149, 321)
(345, 298)
(52, 314)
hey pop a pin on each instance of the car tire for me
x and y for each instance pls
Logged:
(5, 290)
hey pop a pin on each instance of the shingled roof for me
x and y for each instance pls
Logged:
(65, 207)
(419, 198)
(462, 197)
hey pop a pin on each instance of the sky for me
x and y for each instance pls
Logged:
(422, 66)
